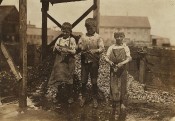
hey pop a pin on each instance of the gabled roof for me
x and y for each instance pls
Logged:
(124, 21)
(158, 37)
(5, 11)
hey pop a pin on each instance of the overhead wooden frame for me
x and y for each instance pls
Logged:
(21, 75)
(61, 1)
(45, 7)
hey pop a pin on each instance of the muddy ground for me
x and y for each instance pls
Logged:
(61, 111)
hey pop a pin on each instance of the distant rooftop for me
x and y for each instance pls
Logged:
(158, 37)
(33, 30)
(124, 21)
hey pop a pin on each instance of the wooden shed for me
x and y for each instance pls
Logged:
(9, 23)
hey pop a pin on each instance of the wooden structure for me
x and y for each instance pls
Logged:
(23, 39)
(45, 15)
(23, 56)
(9, 59)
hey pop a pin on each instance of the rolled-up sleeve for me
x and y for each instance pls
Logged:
(100, 45)
(109, 51)
(80, 44)
(128, 54)
(73, 44)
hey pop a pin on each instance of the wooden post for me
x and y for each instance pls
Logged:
(23, 54)
(142, 71)
(0, 2)
(45, 6)
(96, 14)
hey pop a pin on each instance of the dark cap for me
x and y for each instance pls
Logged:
(90, 22)
(117, 34)
(66, 26)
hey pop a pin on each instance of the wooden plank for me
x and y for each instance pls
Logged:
(23, 44)
(62, 1)
(83, 16)
(53, 20)
(142, 71)
(0, 2)
(96, 13)
(12, 65)
(44, 29)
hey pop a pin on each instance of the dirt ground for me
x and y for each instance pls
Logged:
(136, 111)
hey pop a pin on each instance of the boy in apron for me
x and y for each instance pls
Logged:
(64, 66)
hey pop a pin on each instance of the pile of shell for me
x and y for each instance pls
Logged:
(38, 77)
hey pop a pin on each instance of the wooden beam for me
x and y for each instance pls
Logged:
(83, 16)
(0, 2)
(12, 65)
(96, 13)
(62, 1)
(23, 42)
(44, 9)
(142, 71)
(53, 20)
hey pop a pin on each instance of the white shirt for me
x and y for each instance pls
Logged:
(114, 46)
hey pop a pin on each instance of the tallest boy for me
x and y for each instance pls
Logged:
(91, 45)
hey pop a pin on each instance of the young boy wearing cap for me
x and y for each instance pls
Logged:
(91, 46)
(118, 55)
(64, 66)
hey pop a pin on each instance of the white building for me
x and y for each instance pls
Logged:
(136, 29)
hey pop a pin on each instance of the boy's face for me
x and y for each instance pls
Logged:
(66, 33)
(119, 38)
(90, 30)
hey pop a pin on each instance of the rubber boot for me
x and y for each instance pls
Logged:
(82, 95)
(70, 93)
(95, 94)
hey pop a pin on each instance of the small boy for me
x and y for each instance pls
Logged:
(118, 55)
(91, 46)
(64, 66)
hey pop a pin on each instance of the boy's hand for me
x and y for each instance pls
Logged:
(115, 69)
(93, 51)
(64, 50)
(111, 63)
(58, 48)
(120, 65)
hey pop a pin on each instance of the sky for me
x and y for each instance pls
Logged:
(161, 13)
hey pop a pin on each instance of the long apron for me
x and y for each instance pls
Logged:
(118, 80)
(62, 73)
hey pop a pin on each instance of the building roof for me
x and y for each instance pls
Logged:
(33, 30)
(124, 21)
(5, 10)
(158, 37)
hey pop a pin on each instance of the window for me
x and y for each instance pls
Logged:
(154, 42)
